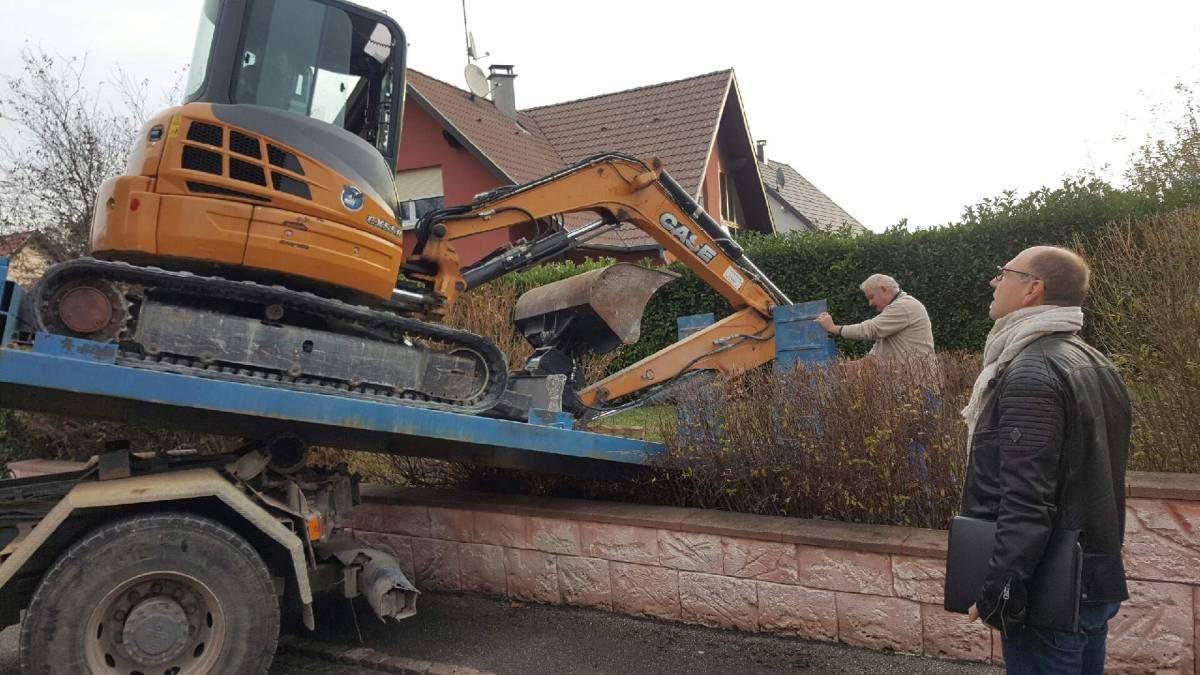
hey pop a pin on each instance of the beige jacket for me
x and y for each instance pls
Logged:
(901, 329)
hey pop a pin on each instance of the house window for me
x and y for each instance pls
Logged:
(420, 191)
(731, 207)
(412, 210)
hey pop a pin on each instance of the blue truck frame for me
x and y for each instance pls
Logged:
(64, 375)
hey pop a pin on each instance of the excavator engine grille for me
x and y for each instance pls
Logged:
(243, 157)
(290, 185)
(284, 159)
(201, 160)
(244, 145)
(209, 134)
(242, 170)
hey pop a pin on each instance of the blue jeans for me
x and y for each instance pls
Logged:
(1039, 651)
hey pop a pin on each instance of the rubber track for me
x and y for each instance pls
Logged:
(154, 278)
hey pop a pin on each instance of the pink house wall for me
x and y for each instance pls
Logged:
(463, 175)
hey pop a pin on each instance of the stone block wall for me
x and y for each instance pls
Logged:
(869, 586)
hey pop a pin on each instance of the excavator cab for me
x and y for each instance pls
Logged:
(279, 165)
(327, 60)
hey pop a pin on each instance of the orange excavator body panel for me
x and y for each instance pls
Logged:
(197, 189)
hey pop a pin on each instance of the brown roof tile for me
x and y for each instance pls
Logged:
(516, 149)
(624, 236)
(674, 121)
(787, 183)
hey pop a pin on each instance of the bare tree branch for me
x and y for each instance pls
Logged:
(59, 142)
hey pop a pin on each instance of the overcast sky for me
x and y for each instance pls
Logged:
(892, 109)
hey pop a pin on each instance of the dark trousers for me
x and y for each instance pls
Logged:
(1038, 651)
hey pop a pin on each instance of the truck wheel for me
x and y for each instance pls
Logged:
(169, 594)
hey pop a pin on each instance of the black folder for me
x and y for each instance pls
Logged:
(1053, 594)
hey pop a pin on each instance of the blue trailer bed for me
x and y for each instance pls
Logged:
(78, 377)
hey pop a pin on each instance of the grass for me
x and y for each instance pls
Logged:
(651, 423)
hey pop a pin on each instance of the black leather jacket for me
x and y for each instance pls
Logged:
(1049, 451)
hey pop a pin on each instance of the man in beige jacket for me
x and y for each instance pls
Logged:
(902, 327)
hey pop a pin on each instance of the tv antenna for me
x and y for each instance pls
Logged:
(472, 53)
(477, 82)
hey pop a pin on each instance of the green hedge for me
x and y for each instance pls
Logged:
(947, 267)
(550, 272)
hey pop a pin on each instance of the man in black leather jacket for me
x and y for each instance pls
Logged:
(1050, 422)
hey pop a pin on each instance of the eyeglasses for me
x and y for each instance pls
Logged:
(1000, 271)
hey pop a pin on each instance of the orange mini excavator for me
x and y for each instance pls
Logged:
(255, 236)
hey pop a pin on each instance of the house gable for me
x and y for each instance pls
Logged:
(674, 121)
(795, 194)
(695, 126)
(29, 255)
(742, 200)
(515, 150)
(427, 143)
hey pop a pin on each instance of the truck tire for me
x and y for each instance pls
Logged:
(169, 594)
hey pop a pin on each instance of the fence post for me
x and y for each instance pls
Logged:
(686, 325)
(798, 337)
(690, 423)
(800, 340)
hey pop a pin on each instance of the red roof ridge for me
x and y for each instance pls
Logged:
(12, 242)
(814, 191)
(440, 81)
(527, 122)
(632, 89)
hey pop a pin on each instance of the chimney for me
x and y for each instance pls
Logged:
(503, 96)
(761, 152)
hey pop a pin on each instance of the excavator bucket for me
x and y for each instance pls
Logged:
(596, 311)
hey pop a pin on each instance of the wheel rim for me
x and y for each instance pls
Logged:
(160, 622)
(95, 311)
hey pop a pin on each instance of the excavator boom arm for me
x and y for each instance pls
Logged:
(620, 188)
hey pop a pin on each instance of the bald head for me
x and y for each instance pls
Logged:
(1064, 274)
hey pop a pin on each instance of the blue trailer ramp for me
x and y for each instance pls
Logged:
(70, 376)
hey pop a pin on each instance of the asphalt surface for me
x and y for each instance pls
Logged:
(502, 637)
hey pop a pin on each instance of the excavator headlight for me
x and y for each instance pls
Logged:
(156, 133)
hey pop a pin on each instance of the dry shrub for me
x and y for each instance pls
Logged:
(26, 435)
(1145, 307)
(488, 311)
(862, 441)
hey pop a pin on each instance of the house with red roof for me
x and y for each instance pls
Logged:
(455, 145)
(796, 204)
(29, 254)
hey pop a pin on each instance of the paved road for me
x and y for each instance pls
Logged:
(494, 635)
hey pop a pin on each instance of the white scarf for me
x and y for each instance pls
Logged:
(1009, 335)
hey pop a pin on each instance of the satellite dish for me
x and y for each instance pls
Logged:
(471, 46)
(476, 81)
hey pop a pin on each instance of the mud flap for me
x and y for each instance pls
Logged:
(376, 576)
